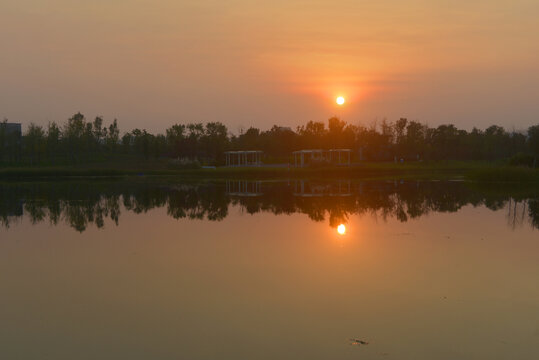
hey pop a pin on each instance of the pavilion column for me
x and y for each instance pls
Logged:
(302, 159)
(349, 158)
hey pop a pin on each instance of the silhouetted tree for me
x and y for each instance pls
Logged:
(533, 141)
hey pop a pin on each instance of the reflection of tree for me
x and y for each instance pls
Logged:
(82, 204)
(198, 202)
(533, 211)
(516, 213)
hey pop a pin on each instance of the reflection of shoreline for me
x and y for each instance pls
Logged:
(81, 204)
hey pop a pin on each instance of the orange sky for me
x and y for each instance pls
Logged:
(245, 63)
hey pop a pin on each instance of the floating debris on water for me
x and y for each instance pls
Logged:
(358, 342)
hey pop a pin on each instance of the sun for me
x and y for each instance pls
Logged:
(341, 229)
(340, 100)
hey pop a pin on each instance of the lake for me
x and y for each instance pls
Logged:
(301, 269)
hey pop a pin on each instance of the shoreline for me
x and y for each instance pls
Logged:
(483, 172)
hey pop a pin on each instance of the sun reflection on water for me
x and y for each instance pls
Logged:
(341, 229)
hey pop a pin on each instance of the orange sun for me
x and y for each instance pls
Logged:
(340, 100)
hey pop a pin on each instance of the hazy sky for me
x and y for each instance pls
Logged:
(152, 63)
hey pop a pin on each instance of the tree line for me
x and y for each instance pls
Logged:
(79, 140)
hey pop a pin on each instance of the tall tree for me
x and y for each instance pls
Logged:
(113, 137)
(73, 134)
(53, 141)
(175, 138)
(34, 141)
(533, 142)
(216, 139)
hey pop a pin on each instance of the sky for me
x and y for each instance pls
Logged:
(154, 63)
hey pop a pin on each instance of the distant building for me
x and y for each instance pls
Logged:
(285, 128)
(11, 135)
(13, 129)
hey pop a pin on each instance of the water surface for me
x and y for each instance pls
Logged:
(257, 270)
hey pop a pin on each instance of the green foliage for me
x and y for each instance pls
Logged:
(522, 159)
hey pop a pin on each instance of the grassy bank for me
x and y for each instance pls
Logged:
(475, 171)
(504, 174)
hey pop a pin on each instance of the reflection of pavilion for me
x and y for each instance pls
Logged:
(243, 188)
(334, 188)
(332, 156)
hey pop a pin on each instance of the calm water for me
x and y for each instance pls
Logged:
(258, 270)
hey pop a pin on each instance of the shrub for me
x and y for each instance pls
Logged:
(521, 159)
